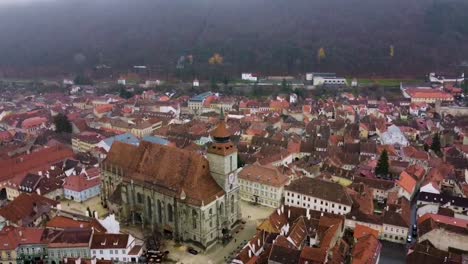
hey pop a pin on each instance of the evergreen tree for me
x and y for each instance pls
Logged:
(426, 147)
(382, 164)
(124, 93)
(436, 143)
(240, 162)
(285, 87)
(81, 79)
(62, 124)
(465, 87)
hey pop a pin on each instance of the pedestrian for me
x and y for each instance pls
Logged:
(235, 240)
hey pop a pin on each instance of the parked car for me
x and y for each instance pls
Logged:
(192, 251)
(409, 239)
(415, 231)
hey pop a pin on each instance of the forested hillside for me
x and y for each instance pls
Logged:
(266, 36)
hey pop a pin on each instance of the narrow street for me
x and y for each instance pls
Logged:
(392, 253)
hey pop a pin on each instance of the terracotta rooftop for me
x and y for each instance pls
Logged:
(72, 238)
(221, 131)
(79, 183)
(63, 222)
(152, 164)
(428, 93)
(12, 237)
(26, 207)
(33, 162)
(366, 250)
(313, 255)
(325, 190)
(267, 175)
(362, 231)
(407, 182)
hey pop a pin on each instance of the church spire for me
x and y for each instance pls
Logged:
(221, 134)
(221, 115)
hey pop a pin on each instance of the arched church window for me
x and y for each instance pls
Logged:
(232, 204)
(170, 213)
(159, 211)
(194, 218)
(150, 207)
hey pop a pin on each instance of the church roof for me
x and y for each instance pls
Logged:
(168, 170)
(221, 131)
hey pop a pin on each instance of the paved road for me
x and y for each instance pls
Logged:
(392, 253)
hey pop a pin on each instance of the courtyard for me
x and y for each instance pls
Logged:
(94, 204)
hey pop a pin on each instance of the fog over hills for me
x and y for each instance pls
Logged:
(266, 36)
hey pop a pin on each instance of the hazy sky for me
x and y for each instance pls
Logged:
(21, 2)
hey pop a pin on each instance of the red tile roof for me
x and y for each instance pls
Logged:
(428, 93)
(104, 108)
(79, 183)
(362, 231)
(72, 238)
(153, 164)
(407, 182)
(33, 122)
(33, 162)
(366, 250)
(267, 175)
(445, 220)
(25, 207)
(63, 222)
(221, 131)
(313, 255)
(29, 235)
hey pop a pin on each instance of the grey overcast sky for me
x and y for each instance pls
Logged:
(21, 2)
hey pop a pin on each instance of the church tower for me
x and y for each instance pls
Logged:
(222, 157)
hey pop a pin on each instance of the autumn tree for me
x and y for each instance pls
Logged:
(382, 164)
(321, 55)
(216, 59)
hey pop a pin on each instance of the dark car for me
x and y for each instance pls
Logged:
(192, 251)
(415, 231)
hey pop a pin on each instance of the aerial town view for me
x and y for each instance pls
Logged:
(175, 132)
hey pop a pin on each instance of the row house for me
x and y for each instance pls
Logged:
(262, 185)
(115, 247)
(391, 226)
(431, 202)
(444, 232)
(318, 195)
(86, 141)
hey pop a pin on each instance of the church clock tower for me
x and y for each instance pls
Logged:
(222, 157)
